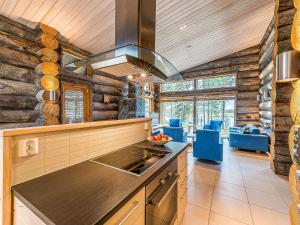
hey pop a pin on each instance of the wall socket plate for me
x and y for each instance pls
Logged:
(28, 147)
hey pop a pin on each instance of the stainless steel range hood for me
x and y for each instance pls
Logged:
(135, 54)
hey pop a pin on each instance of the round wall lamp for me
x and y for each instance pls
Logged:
(287, 66)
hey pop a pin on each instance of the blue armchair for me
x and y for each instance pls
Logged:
(175, 123)
(214, 125)
(176, 133)
(208, 145)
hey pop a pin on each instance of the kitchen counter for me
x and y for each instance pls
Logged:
(87, 193)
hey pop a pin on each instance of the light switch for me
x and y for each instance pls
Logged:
(28, 147)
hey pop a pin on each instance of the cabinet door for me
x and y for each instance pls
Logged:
(132, 213)
(23, 215)
(182, 185)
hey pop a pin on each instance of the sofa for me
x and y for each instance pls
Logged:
(252, 140)
(208, 145)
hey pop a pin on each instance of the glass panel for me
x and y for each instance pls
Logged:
(182, 110)
(208, 110)
(177, 86)
(147, 107)
(74, 106)
(216, 82)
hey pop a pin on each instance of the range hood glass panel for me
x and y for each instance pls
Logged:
(152, 58)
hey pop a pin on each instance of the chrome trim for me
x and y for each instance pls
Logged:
(138, 175)
(137, 204)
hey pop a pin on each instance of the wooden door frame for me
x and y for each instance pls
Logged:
(87, 99)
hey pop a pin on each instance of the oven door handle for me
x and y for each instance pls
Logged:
(165, 189)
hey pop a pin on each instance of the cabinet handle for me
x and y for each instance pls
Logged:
(135, 207)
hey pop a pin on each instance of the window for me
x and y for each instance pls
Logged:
(148, 97)
(216, 82)
(177, 86)
(216, 110)
(76, 103)
(182, 110)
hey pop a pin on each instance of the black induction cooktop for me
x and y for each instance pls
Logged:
(133, 159)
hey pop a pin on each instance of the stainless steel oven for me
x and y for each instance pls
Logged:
(161, 197)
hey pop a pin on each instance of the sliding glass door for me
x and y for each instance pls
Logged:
(179, 109)
(207, 110)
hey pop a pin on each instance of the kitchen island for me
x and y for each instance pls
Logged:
(87, 193)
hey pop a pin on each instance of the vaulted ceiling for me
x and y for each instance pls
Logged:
(189, 32)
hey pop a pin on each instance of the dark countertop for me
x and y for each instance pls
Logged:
(87, 193)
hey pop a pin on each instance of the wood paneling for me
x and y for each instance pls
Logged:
(213, 28)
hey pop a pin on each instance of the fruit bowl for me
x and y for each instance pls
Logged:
(159, 140)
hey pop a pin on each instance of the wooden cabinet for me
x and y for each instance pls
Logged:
(182, 185)
(132, 213)
(23, 215)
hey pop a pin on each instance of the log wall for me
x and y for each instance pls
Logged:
(266, 69)
(245, 65)
(18, 58)
(281, 92)
(22, 52)
(107, 93)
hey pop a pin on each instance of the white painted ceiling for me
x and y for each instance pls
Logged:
(189, 32)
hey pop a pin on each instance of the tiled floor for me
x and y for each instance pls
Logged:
(241, 190)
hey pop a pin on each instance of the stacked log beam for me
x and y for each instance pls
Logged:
(281, 92)
(18, 58)
(48, 82)
(245, 65)
(266, 67)
(107, 93)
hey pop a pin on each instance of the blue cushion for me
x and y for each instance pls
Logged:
(255, 131)
(174, 122)
(215, 124)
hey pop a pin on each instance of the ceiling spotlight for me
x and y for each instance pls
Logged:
(183, 27)
(130, 76)
(143, 74)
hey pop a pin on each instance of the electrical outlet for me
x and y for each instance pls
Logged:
(28, 147)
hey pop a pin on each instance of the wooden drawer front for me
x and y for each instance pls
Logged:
(133, 212)
(24, 216)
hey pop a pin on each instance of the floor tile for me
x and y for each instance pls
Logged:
(263, 216)
(218, 219)
(232, 208)
(200, 195)
(231, 190)
(195, 215)
(202, 176)
(260, 185)
(230, 178)
(267, 200)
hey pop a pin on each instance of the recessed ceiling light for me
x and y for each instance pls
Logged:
(183, 27)
(130, 76)
(143, 74)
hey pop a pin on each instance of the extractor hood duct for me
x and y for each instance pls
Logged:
(135, 54)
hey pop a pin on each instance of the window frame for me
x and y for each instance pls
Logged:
(87, 100)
